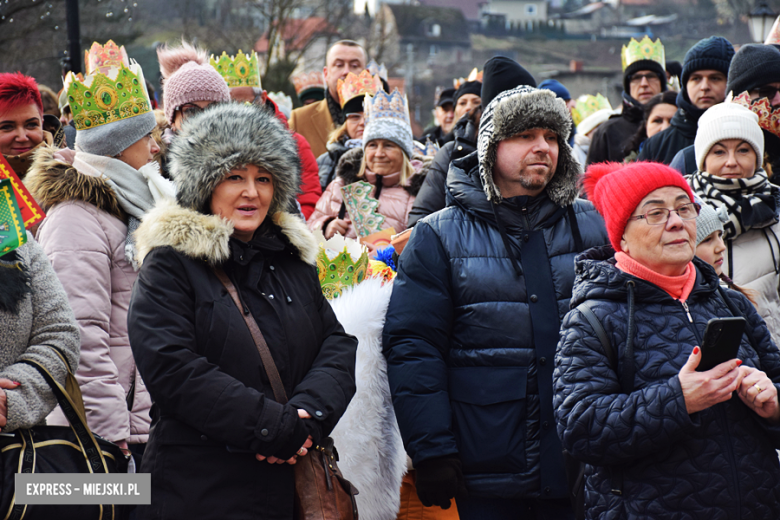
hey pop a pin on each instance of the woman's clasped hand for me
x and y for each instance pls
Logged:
(702, 390)
(303, 414)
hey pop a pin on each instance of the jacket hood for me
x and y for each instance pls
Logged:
(225, 136)
(515, 111)
(632, 109)
(597, 277)
(348, 168)
(206, 237)
(52, 179)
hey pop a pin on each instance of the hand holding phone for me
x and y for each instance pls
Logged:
(721, 341)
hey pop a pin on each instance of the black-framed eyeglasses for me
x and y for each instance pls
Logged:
(649, 76)
(189, 110)
(768, 92)
(658, 216)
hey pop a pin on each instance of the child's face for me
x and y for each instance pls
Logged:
(711, 250)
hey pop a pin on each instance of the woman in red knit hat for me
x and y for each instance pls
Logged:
(658, 437)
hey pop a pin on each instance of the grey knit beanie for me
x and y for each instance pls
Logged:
(709, 221)
(113, 138)
(752, 66)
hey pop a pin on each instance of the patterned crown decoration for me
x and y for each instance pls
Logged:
(644, 49)
(386, 106)
(101, 99)
(774, 34)
(431, 147)
(308, 81)
(12, 233)
(358, 85)
(377, 70)
(241, 70)
(588, 105)
(768, 117)
(101, 58)
(341, 263)
(475, 75)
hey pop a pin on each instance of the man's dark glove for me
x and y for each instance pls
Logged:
(439, 480)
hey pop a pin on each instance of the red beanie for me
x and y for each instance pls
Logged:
(617, 189)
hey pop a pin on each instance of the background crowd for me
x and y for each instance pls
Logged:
(531, 350)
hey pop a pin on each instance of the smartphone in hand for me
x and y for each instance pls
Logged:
(721, 341)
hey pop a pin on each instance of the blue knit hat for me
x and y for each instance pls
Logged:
(557, 87)
(713, 53)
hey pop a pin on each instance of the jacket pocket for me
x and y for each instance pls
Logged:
(489, 417)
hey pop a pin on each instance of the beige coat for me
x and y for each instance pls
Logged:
(315, 123)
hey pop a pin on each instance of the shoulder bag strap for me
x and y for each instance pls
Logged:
(598, 328)
(262, 347)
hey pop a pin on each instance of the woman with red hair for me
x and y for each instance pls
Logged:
(21, 121)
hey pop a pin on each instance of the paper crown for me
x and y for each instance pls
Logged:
(377, 70)
(308, 81)
(341, 263)
(241, 70)
(431, 147)
(386, 106)
(644, 49)
(101, 58)
(774, 34)
(101, 99)
(587, 105)
(475, 75)
(768, 117)
(282, 100)
(358, 85)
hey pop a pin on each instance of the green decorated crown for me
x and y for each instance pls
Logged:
(101, 99)
(645, 49)
(239, 71)
(588, 105)
(341, 263)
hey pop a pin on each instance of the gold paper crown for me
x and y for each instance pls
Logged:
(358, 85)
(645, 49)
(774, 34)
(308, 80)
(475, 75)
(588, 105)
(101, 58)
(768, 116)
(377, 70)
(101, 99)
(341, 263)
(383, 105)
(241, 70)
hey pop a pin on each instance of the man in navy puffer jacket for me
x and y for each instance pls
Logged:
(718, 463)
(474, 317)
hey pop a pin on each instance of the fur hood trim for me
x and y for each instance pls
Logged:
(52, 181)
(518, 110)
(228, 135)
(206, 237)
(348, 168)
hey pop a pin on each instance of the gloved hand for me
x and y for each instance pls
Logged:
(439, 480)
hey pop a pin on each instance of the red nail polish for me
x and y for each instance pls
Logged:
(739, 362)
(17, 383)
(695, 351)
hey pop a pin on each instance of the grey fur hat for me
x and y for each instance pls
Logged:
(227, 135)
(520, 109)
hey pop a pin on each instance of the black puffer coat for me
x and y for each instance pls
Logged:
(719, 463)
(432, 196)
(609, 140)
(469, 342)
(663, 146)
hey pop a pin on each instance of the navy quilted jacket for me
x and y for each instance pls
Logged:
(719, 463)
(470, 343)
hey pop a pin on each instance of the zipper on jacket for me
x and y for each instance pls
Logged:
(690, 319)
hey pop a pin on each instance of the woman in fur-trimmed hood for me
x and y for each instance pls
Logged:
(217, 425)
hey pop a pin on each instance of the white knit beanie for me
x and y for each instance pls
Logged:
(728, 121)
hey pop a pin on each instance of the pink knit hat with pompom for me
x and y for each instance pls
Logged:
(188, 77)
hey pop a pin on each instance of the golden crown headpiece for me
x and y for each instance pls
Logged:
(358, 85)
(587, 105)
(774, 34)
(307, 81)
(377, 70)
(768, 116)
(241, 70)
(341, 263)
(386, 106)
(645, 49)
(101, 58)
(475, 75)
(100, 99)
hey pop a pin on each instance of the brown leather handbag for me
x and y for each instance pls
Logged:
(321, 491)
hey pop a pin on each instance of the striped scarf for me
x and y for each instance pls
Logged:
(751, 203)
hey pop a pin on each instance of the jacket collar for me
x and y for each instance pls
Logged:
(207, 237)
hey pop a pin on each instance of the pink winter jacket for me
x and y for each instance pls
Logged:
(84, 235)
(395, 201)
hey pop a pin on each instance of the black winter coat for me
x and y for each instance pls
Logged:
(663, 146)
(432, 196)
(213, 405)
(609, 140)
(716, 464)
(470, 343)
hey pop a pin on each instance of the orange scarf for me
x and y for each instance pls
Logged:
(678, 287)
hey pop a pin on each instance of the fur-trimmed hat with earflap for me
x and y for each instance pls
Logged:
(517, 110)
